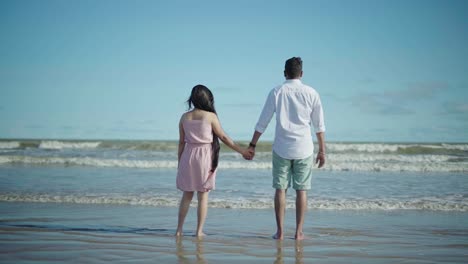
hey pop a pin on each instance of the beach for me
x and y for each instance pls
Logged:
(115, 201)
(46, 232)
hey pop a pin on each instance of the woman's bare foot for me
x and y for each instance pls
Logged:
(299, 236)
(278, 236)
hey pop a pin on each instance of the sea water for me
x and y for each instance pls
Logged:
(357, 176)
(116, 201)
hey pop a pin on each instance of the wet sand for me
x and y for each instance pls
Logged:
(45, 232)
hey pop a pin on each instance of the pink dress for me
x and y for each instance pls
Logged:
(194, 172)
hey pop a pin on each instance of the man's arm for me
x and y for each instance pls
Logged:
(267, 113)
(321, 153)
(319, 127)
(263, 121)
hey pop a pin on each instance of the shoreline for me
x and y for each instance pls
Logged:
(96, 234)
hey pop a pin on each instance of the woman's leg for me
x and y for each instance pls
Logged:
(201, 212)
(183, 210)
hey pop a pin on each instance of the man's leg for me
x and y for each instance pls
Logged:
(183, 210)
(280, 208)
(301, 208)
(281, 182)
(302, 174)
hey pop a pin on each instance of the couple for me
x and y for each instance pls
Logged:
(297, 107)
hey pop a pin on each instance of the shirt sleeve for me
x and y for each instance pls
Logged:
(317, 116)
(267, 113)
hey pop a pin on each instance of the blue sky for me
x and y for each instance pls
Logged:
(386, 70)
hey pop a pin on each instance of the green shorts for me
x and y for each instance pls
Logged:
(298, 171)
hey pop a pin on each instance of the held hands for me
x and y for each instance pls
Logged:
(248, 153)
(320, 159)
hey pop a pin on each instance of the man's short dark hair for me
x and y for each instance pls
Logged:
(293, 67)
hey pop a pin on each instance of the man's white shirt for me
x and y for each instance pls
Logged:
(298, 108)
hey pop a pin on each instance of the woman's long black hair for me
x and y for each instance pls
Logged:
(202, 98)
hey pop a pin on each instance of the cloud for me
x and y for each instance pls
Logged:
(378, 104)
(366, 81)
(333, 96)
(135, 122)
(225, 90)
(397, 102)
(457, 108)
(135, 130)
(34, 126)
(417, 91)
(119, 122)
(149, 122)
(68, 128)
(243, 105)
(440, 133)
(382, 130)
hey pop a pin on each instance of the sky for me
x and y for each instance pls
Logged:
(386, 71)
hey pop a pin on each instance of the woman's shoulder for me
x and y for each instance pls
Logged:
(185, 116)
(198, 115)
(210, 116)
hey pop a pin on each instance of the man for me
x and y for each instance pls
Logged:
(297, 107)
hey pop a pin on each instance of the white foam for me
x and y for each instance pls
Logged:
(126, 163)
(339, 162)
(68, 145)
(449, 203)
(388, 148)
(363, 147)
(9, 144)
(87, 161)
(89, 199)
(424, 203)
(392, 158)
(397, 163)
(456, 146)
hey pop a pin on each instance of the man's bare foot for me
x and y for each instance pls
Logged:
(178, 233)
(299, 236)
(200, 234)
(278, 236)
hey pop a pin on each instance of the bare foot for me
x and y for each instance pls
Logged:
(299, 236)
(278, 236)
(178, 233)
(201, 234)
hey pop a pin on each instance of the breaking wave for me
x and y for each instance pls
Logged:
(337, 162)
(411, 149)
(68, 145)
(448, 203)
(332, 147)
(9, 144)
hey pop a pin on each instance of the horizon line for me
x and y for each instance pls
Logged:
(241, 141)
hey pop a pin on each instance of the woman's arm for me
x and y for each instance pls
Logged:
(218, 131)
(181, 141)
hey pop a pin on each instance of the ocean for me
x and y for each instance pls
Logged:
(127, 188)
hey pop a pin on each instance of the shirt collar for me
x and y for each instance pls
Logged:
(293, 81)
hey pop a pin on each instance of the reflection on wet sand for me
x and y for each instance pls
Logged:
(199, 253)
(298, 250)
(183, 255)
(279, 252)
